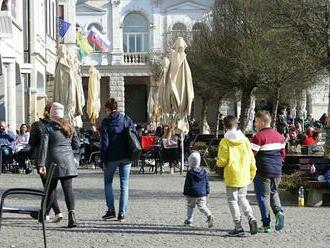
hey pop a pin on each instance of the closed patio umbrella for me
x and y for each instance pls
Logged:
(67, 86)
(93, 101)
(180, 88)
(163, 93)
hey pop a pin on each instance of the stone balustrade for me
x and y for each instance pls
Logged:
(136, 58)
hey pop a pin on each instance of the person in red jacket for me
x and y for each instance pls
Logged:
(309, 140)
(268, 146)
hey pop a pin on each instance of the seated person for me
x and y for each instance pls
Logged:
(22, 148)
(169, 140)
(309, 140)
(7, 138)
(93, 140)
(293, 143)
(318, 145)
(300, 134)
(324, 120)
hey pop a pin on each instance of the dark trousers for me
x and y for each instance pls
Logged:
(20, 157)
(6, 155)
(66, 183)
(54, 204)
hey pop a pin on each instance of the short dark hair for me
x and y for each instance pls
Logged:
(111, 104)
(230, 121)
(264, 115)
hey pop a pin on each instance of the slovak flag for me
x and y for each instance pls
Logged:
(96, 38)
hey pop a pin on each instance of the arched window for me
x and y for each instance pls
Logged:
(136, 33)
(179, 27)
(178, 30)
(198, 29)
(96, 25)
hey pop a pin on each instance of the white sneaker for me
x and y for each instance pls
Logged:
(58, 217)
(47, 218)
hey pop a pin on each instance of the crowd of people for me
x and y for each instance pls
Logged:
(52, 140)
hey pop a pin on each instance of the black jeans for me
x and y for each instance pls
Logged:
(20, 157)
(66, 183)
(54, 204)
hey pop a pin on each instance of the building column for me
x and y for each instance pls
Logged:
(156, 27)
(117, 89)
(3, 94)
(70, 16)
(11, 101)
(116, 31)
(20, 104)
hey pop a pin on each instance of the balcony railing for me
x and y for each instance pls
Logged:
(139, 58)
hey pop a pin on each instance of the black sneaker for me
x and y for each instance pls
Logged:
(109, 214)
(34, 215)
(236, 231)
(121, 217)
(253, 226)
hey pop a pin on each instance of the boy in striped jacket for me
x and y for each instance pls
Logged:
(268, 146)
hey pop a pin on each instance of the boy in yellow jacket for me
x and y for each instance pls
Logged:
(236, 156)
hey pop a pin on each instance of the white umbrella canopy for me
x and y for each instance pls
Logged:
(181, 89)
(93, 102)
(178, 92)
(163, 94)
(67, 86)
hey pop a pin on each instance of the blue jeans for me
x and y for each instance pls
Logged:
(124, 171)
(267, 196)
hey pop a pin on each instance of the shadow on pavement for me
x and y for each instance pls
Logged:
(116, 227)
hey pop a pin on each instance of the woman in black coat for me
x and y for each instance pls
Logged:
(57, 147)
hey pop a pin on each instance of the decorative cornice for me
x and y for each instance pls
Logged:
(115, 3)
(120, 70)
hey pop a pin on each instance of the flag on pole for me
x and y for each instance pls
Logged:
(84, 47)
(96, 38)
(63, 27)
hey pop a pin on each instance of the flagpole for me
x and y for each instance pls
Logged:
(57, 31)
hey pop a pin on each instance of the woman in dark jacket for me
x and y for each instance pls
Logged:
(37, 130)
(114, 153)
(57, 147)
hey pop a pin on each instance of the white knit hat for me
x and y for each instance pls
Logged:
(194, 160)
(56, 111)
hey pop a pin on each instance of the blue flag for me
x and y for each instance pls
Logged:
(63, 27)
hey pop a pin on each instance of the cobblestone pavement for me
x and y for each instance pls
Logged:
(156, 214)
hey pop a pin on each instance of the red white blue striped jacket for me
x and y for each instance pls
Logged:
(268, 146)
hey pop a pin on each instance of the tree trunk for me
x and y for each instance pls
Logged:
(245, 106)
(327, 141)
(204, 125)
(276, 102)
(218, 118)
(309, 102)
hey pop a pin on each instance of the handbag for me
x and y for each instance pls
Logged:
(133, 143)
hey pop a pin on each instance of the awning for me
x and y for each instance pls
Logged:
(6, 28)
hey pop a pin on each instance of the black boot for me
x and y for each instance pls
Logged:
(72, 220)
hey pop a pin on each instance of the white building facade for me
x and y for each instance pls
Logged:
(28, 48)
(140, 32)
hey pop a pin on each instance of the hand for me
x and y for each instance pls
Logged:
(42, 170)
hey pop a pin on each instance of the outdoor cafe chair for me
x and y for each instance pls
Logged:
(28, 209)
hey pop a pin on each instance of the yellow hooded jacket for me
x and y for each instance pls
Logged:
(236, 156)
